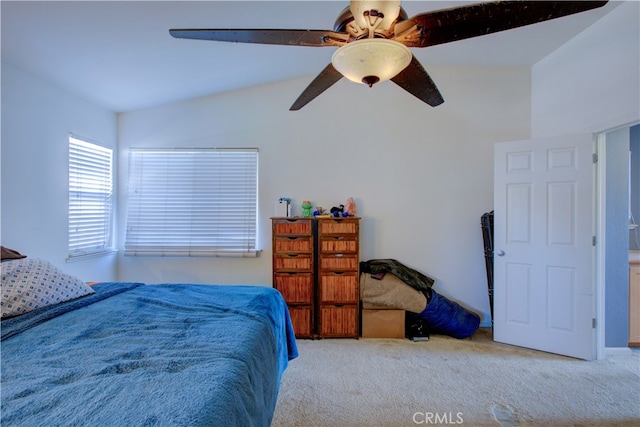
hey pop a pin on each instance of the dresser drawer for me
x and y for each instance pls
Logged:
(340, 226)
(339, 244)
(338, 321)
(339, 261)
(296, 227)
(296, 288)
(293, 262)
(293, 244)
(339, 287)
(301, 320)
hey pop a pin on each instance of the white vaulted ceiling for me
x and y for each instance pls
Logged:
(119, 54)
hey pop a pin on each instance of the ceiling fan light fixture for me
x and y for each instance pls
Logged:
(369, 61)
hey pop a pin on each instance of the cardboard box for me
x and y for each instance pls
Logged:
(385, 323)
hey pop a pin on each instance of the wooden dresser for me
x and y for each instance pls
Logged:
(337, 277)
(315, 268)
(634, 298)
(293, 270)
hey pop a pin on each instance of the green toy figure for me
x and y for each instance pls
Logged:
(306, 208)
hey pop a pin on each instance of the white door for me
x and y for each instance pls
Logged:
(544, 281)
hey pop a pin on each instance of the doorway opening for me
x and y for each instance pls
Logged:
(617, 201)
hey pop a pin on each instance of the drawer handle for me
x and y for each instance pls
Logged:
(337, 273)
(338, 255)
(292, 255)
(292, 238)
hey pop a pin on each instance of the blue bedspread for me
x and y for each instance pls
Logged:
(175, 355)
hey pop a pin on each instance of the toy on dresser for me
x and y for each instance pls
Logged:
(306, 208)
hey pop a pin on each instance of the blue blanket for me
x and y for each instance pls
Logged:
(136, 355)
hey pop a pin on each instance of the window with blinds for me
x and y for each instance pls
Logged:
(90, 198)
(192, 202)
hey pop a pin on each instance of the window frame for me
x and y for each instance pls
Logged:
(181, 202)
(90, 198)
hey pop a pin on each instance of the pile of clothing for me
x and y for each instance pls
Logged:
(387, 282)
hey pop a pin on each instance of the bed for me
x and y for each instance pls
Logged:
(137, 354)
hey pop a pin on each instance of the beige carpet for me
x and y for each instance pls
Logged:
(476, 382)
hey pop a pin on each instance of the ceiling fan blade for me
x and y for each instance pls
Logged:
(415, 80)
(318, 38)
(327, 78)
(458, 23)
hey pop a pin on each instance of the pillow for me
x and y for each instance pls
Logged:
(31, 283)
(11, 254)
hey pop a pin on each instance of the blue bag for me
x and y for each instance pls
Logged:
(447, 317)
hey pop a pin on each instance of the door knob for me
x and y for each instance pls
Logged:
(500, 252)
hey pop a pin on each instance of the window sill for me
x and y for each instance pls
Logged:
(194, 254)
(83, 257)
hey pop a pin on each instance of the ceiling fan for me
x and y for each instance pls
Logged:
(373, 37)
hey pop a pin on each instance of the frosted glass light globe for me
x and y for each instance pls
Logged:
(369, 61)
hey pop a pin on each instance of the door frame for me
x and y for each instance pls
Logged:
(600, 230)
(600, 233)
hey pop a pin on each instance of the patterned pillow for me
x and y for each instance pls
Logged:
(31, 283)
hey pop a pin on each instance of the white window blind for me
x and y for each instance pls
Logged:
(90, 197)
(192, 202)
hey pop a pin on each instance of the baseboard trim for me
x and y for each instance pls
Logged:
(617, 351)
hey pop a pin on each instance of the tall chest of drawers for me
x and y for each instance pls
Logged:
(315, 268)
(293, 270)
(338, 294)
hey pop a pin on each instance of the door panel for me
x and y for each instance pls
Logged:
(544, 255)
(518, 293)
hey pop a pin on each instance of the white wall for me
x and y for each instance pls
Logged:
(591, 83)
(421, 176)
(36, 120)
